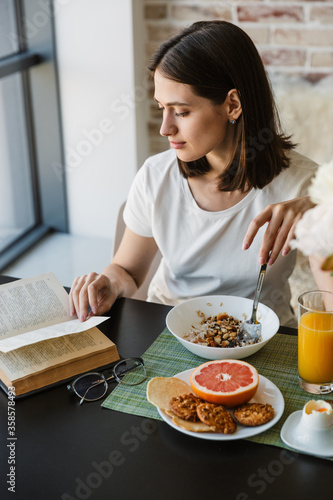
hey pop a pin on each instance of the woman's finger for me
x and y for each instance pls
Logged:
(100, 295)
(75, 292)
(281, 218)
(255, 225)
(83, 296)
(281, 235)
(72, 306)
(271, 237)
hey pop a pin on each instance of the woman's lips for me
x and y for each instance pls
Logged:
(177, 145)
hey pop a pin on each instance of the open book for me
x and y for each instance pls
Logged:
(40, 343)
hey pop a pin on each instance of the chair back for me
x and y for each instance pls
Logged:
(142, 293)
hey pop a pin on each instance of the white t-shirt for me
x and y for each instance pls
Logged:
(202, 251)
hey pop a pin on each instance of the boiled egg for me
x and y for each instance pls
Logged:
(317, 415)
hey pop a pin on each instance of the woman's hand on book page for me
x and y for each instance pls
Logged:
(281, 219)
(121, 278)
(94, 290)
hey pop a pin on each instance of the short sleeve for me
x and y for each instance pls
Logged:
(138, 208)
(307, 169)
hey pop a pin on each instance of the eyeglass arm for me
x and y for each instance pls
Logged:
(90, 387)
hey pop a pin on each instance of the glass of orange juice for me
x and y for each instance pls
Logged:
(315, 341)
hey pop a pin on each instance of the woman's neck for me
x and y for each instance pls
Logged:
(207, 195)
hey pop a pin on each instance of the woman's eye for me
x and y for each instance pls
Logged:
(181, 115)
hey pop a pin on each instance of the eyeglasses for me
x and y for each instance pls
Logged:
(93, 386)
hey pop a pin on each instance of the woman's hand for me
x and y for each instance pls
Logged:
(121, 278)
(94, 290)
(282, 219)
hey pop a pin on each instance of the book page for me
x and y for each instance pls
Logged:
(32, 303)
(36, 309)
(50, 332)
(35, 358)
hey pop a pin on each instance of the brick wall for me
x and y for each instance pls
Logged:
(294, 38)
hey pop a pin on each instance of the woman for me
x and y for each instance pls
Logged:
(229, 172)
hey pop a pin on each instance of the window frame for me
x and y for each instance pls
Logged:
(37, 64)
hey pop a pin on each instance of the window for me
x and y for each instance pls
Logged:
(32, 192)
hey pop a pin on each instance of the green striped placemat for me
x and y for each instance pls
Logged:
(166, 357)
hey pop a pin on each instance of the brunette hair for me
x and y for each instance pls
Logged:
(214, 57)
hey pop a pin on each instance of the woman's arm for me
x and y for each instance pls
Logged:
(323, 279)
(121, 278)
(281, 219)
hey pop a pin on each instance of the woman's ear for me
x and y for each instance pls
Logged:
(234, 104)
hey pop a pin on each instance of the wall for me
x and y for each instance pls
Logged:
(292, 36)
(103, 96)
(295, 40)
(103, 48)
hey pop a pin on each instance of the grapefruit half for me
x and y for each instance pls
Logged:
(229, 382)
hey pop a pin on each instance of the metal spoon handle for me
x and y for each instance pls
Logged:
(258, 292)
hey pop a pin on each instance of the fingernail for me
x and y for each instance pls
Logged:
(94, 310)
(245, 245)
(71, 312)
(270, 262)
(284, 252)
(262, 261)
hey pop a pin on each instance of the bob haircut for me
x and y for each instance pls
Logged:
(214, 57)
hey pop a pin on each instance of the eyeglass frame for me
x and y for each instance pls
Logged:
(105, 380)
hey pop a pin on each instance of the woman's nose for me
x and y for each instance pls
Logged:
(168, 127)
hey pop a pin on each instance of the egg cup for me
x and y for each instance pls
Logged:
(310, 430)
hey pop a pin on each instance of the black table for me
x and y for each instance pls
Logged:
(66, 451)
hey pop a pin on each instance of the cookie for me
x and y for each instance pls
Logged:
(185, 406)
(253, 414)
(191, 426)
(216, 417)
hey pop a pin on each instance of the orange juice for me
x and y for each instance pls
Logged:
(315, 347)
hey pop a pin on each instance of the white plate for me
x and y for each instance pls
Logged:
(267, 392)
(318, 443)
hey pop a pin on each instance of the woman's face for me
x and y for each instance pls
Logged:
(194, 125)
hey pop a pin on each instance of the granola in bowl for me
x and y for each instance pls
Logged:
(215, 331)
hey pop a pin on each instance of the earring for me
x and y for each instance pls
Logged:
(232, 122)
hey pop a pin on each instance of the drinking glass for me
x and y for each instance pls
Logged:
(315, 341)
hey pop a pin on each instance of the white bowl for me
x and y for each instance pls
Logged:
(183, 317)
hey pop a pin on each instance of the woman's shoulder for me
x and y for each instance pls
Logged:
(160, 167)
(162, 161)
(159, 172)
(301, 168)
(302, 163)
(295, 180)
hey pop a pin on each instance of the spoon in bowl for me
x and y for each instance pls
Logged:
(250, 330)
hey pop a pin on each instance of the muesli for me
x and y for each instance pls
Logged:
(215, 331)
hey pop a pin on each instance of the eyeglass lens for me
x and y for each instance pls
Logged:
(130, 371)
(91, 386)
(94, 386)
